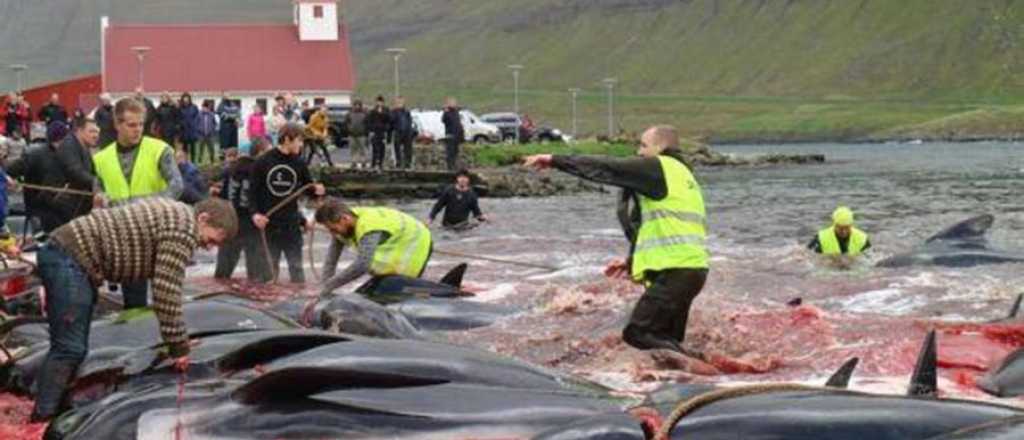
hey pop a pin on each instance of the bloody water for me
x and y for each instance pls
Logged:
(760, 220)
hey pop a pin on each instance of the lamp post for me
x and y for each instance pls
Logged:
(19, 70)
(140, 55)
(515, 80)
(396, 53)
(574, 92)
(610, 84)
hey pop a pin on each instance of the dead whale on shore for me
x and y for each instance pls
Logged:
(365, 388)
(960, 245)
(1007, 379)
(1004, 429)
(777, 411)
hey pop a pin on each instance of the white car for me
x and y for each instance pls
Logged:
(478, 131)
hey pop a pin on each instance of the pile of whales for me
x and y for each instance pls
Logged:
(365, 365)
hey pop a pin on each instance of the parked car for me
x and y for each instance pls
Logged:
(336, 129)
(508, 122)
(431, 128)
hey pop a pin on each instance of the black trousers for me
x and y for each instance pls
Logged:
(664, 308)
(403, 151)
(248, 241)
(451, 153)
(288, 241)
(317, 146)
(377, 141)
(228, 135)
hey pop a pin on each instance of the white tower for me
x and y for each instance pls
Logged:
(317, 19)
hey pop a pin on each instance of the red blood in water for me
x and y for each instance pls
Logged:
(970, 350)
(14, 412)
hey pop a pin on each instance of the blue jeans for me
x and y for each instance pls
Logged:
(70, 298)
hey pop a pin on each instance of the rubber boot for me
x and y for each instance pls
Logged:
(52, 383)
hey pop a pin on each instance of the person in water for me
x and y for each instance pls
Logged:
(841, 241)
(457, 201)
(388, 242)
(661, 211)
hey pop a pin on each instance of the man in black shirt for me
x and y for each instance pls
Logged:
(53, 112)
(457, 201)
(104, 116)
(455, 134)
(276, 175)
(378, 122)
(236, 188)
(403, 133)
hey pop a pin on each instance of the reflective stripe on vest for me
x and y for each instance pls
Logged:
(407, 247)
(146, 177)
(830, 243)
(673, 230)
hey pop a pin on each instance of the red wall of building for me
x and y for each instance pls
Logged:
(74, 93)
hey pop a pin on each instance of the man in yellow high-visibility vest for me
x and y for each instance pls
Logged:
(662, 214)
(841, 240)
(135, 167)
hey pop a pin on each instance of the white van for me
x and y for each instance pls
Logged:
(478, 131)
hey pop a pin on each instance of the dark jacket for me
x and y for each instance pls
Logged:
(52, 112)
(105, 120)
(356, 122)
(196, 188)
(402, 125)
(150, 121)
(452, 120)
(43, 165)
(190, 123)
(378, 122)
(457, 206)
(229, 113)
(168, 120)
(236, 186)
(634, 175)
(206, 125)
(276, 176)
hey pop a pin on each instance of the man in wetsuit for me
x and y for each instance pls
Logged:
(457, 201)
(841, 241)
(661, 211)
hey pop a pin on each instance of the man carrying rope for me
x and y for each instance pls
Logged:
(277, 176)
(388, 241)
(666, 231)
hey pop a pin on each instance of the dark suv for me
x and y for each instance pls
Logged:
(338, 131)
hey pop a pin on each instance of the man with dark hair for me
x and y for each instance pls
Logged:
(666, 230)
(104, 116)
(136, 167)
(378, 122)
(403, 133)
(355, 120)
(230, 114)
(53, 111)
(455, 134)
(276, 175)
(58, 164)
(457, 201)
(149, 127)
(236, 187)
(152, 239)
(388, 242)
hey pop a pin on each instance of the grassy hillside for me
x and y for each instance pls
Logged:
(727, 69)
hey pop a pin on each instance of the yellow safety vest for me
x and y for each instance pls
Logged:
(407, 247)
(673, 229)
(146, 177)
(830, 243)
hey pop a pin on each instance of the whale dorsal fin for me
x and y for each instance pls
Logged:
(841, 378)
(454, 277)
(972, 228)
(1015, 308)
(925, 381)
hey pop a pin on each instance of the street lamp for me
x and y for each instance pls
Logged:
(574, 92)
(19, 69)
(515, 79)
(610, 84)
(396, 52)
(140, 54)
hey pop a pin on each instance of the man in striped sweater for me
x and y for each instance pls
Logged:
(152, 240)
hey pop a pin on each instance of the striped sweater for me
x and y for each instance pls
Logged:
(151, 239)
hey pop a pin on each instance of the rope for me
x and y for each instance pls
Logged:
(55, 189)
(688, 406)
(495, 260)
(263, 232)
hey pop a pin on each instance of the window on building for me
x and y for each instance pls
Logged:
(318, 11)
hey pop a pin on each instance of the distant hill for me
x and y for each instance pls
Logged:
(727, 66)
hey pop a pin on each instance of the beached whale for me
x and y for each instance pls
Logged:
(960, 245)
(785, 411)
(1005, 429)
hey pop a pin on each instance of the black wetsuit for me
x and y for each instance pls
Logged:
(662, 312)
(457, 206)
(844, 244)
